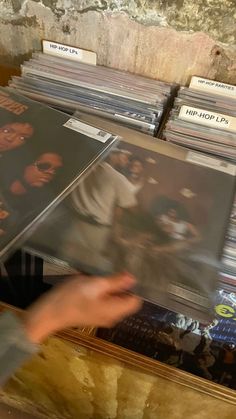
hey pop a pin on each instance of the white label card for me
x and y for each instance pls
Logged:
(207, 118)
(54, 273)
(88, 130)
(52, 269)
(71, 53)
(189, 295)
(211, 162)
(212, 86)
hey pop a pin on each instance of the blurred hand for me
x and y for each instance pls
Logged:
(81, 301)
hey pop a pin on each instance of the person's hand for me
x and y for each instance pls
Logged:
(81, 301)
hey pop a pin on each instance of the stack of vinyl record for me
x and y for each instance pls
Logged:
(132, 100)
(228, 274)
(203, 119)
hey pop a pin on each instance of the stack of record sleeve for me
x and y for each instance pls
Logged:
(203, 118)
(131, 100)
(228, 274)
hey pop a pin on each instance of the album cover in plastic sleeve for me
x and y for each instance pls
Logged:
(43, 153)
(151, 208)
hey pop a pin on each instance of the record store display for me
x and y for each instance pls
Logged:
(147, 206)
(203, 119)
(151, 208)
(44, 71)
(131, 100)
(43, 153)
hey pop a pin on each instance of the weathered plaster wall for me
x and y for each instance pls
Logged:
(169, 40)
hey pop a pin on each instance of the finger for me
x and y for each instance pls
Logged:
(117, 284)
(121, 307)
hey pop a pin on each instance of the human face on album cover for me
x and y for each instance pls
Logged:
(43, 170)
(14, 135)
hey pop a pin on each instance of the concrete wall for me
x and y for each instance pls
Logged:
(169, 40)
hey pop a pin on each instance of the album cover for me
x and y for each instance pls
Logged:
(153, 209)
(204, 349)
(43, 153)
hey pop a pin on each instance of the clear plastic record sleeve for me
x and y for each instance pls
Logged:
(43, 154)
(204, 133)
(133, 100)
(151, 208)
(60, 74)
(201, 145)
(137, 86)
(210, 102)
(137, 115)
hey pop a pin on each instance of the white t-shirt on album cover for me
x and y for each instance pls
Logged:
(103, 190)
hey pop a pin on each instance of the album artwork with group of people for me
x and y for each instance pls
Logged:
(42, 154)
(207, 350)
(152, 209)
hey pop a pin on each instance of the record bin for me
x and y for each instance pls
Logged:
(79, 375)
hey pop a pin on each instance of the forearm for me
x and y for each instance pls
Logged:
(15, 347)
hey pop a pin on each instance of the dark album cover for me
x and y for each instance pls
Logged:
(204, 349)
(43, 152)
(153, 209)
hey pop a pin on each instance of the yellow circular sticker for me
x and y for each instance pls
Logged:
(225, 311)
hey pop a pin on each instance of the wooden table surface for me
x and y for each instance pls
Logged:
(7, 412)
